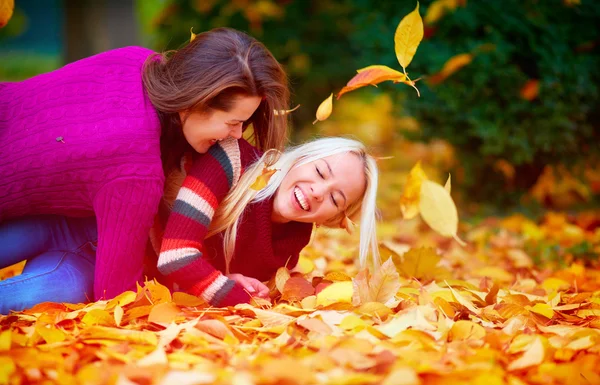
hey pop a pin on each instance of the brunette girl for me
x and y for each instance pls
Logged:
(95, 139)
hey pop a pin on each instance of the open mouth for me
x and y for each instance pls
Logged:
(301, 199)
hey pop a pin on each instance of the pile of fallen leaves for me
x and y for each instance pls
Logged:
(434, 313)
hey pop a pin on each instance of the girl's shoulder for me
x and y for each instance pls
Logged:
(127, 56)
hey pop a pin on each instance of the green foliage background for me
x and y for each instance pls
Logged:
(478, 109)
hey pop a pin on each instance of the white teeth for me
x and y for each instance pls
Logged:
(301, 199)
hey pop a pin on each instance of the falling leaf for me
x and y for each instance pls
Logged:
(336, 292)
(451, 66)
(285, 112)
(438, 210)
(263, 179)
(439, 8)
(409, 201)
(372, 75)
(530, 90)
(408, 37)
(324, 109)
(6, 11)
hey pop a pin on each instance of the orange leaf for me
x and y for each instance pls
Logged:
(164, 313)
(372, 75)
(451, 66)
(296, 289)
(263, 179)
(530, 90)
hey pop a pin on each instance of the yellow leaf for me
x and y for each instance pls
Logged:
(418, 263)
(409, 201)
(304, 266)
(98, 317)
(451, 66)
(466, 330)
(408, 37)
(281, 277)
(533, 356)
(309, 302)
(360, 288)
(324, 109)
(438, 9)
(118, 313)
(7, 367)
(285, 112)
(5, 340)
(384, 283)
(374, 309)
(543, 309)
(372, 75)
(448, 185)
(192, 35)
(6, 11)
(263, 179)
(107, 333)
(50, 333)
(351, 322)
(438, 210)
(186, 300)
(336, 292)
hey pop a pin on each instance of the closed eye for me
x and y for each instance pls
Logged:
(319, 172)
(334, 201)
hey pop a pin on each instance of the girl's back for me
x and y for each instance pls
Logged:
(65, 134)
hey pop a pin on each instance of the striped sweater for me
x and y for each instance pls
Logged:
(195, 264)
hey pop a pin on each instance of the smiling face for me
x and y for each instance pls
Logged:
(317, 191)
(203, 129)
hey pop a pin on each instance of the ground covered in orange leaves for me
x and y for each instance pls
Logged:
(520, 304)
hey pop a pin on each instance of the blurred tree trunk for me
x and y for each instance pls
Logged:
(94, 26)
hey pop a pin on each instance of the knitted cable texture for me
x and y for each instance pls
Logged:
(85, 140)
(181, 257)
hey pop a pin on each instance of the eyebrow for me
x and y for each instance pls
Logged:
(331, 172)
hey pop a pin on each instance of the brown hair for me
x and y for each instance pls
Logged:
(209, 73)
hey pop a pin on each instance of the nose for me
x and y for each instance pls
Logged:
(236, 132)
(317, 190)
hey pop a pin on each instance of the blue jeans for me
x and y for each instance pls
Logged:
(60, 254)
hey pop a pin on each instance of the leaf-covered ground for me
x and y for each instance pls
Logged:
(520, 304)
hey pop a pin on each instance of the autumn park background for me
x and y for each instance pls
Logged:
(509, 106)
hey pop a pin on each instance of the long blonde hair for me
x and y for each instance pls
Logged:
(207, 74)
(231, 209)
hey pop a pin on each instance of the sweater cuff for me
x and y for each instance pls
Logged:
(221, 292)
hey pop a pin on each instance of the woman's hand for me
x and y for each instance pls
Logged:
(252, 285)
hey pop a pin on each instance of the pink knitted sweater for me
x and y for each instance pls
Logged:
(85, 140)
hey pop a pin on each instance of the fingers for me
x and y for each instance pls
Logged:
(252, 285)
